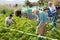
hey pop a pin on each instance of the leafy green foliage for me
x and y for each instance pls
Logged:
(25, 25)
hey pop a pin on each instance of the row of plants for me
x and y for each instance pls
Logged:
(25, 25)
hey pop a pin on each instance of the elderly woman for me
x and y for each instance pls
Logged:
(53, 10)
(42, 19)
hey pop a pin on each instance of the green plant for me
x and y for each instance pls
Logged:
(25, 25)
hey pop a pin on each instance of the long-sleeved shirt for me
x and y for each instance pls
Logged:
(43, 17)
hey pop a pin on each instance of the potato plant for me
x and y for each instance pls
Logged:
(25, 25)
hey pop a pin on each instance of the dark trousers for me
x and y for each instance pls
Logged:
(54, 15)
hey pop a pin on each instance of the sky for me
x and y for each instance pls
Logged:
(15, 1)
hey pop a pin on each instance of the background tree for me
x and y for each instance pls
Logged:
(16, 5)
(40, 2)
(27, 3)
